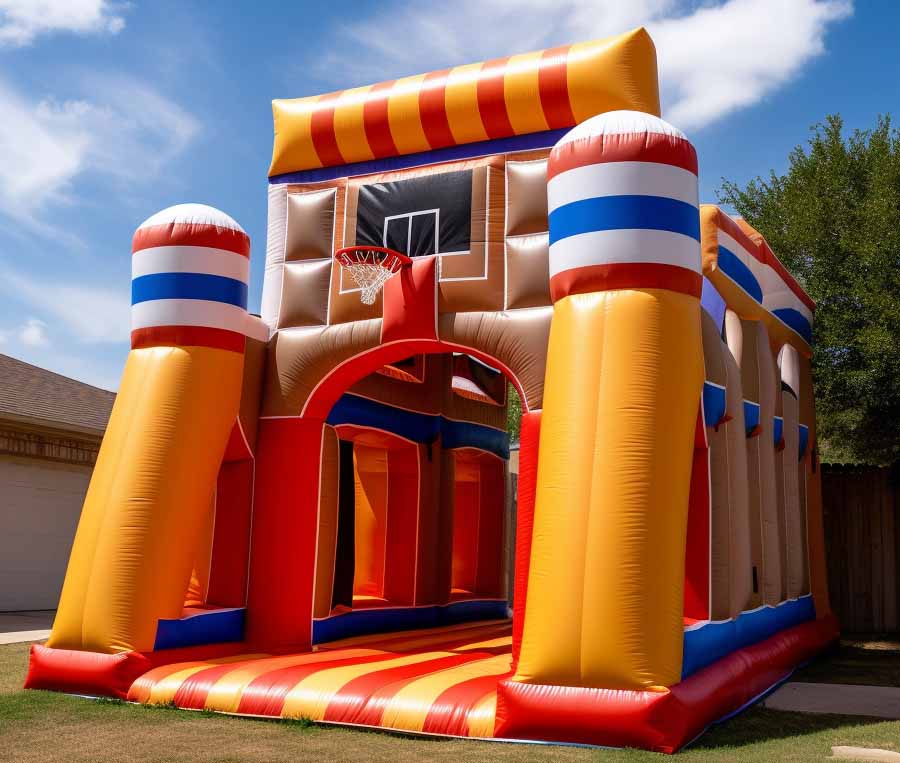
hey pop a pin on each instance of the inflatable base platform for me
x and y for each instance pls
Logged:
(450, 681)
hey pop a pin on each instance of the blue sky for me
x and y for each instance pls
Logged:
(110, 111)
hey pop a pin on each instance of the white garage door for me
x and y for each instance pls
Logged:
(40, 503)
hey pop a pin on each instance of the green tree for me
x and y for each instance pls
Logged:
(834, 220)
(513, 412)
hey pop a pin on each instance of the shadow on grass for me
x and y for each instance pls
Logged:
(760, 724)
(865, 659)
(859, 660)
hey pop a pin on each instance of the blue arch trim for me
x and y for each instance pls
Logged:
(418, 427)
(361, 622)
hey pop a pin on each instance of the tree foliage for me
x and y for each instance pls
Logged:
(513, 412)
(834, 220)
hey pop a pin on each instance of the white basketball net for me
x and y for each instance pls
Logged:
(369, 270)
(370, 277)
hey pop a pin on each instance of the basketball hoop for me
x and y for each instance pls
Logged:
(370, 267)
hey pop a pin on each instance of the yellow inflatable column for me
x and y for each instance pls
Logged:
(153, 485)
(622, 391)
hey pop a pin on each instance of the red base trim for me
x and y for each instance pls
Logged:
(327, 392)
(188, 336)
(662, 721)
(73, 672)
(632, 275)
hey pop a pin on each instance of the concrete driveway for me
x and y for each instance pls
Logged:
(16, 627)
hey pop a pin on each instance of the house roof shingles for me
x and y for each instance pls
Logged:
(32, 393)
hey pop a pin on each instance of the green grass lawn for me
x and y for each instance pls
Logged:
(46, 727)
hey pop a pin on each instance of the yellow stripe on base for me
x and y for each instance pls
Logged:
(489, 644)
(225, 695)
(163, 691)
(483, 716)
(409, 707)
(310, 698)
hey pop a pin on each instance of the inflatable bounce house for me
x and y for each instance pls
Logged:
(309, 514)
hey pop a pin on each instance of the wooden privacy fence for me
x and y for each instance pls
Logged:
(862, 542)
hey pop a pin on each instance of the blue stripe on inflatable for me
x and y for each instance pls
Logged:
(804, 441)
(713, 403)
(214, 627)
(624, 212)
(715, 640)
(751, 416)
(189, 286)
(462, 434)
(796, 320)
(362, 622)
(513, 143)
(712, 302)
(418, 427)
(352, 409)
(737, 271)
(778, 429)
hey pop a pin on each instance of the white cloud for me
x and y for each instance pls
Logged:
(720, 59)
(34, 333)
(91, 314)
(21, 21)
(714, 57)
(125, 131)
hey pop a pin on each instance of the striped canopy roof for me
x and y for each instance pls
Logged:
(530, 93)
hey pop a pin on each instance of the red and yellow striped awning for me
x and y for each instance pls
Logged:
(529, 93)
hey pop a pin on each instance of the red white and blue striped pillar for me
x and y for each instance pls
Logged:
(190, 273)
(621, 397)
(624, 212)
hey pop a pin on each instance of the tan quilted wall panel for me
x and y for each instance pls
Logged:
(310, 225)
(526, 188)
(528, 270)
(304, 293)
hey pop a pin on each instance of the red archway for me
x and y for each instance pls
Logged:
(350, 371)
(287, 484)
